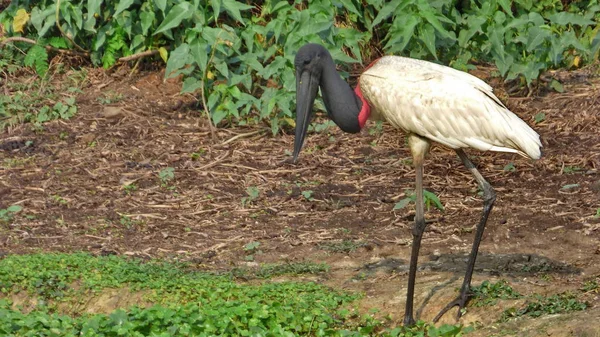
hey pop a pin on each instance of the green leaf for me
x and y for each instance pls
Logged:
(58, 42)
(402, 203)
(14, 208)
(427, 35)
(539, 117)
(123, 5)
(385, 12)
(569, 186)
(218, 115)
(37, 18)
(536, 36)
(432, 197)
(161, 4)
(216, 5)
(401, 37)
(146, 20)
(199, 52)
(177, 60)
(435, 23)
(222, 68)
(176, 14)
(510, 167)
(93, 9)
(191, 84)
(234, 7)
(557, 86)
(350, 7)
(506, 6)
(566, 18)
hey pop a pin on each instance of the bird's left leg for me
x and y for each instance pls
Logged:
(489, 196)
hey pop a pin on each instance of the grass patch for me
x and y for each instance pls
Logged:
(540, 305)
(185, 302)
(40, 101)
(489, 293)
(272, 270)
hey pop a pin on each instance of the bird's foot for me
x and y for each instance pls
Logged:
(460, 302)
(408, 321)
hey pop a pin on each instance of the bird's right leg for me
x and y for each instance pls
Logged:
(419, 147)
(489, 196)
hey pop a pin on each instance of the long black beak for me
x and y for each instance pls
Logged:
(307, 86)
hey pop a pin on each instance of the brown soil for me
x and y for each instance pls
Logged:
(541, 237)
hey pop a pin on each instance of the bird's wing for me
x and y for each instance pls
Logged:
(445, 105)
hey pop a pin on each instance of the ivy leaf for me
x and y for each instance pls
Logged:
(146, 19)
(536, 36)
(216, 5)
(350, 7)
(198, 50)
(93, 8)
(566, 18)
(176, 14)
(58, 42)
(506, 6)
(430, 16)
(406, 28)
(123, 5)
(427, 35)
(177, 60)
(161, 4)
(234, 7)
(191, 84)
(385, 12)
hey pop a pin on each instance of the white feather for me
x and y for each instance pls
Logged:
(445, 105)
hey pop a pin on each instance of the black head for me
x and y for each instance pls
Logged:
(309, 58)
(309, 68)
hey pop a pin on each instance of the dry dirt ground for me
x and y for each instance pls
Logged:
(542, 236)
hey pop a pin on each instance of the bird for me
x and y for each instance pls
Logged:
(430, 103)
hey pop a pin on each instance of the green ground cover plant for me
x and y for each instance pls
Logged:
(238, 55)
(181, 301)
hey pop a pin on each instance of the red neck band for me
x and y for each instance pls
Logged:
(365, 111)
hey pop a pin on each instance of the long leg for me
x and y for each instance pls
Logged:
(489, 196)
(419, 148)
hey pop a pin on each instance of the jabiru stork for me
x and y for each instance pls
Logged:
(430, 103)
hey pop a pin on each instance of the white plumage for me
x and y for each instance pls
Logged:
(445, 105)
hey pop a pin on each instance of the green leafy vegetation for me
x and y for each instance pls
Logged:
(166, 175)
(510, 167)
(429, 198)
(272, 270)
(488, 293)
(36, 103)
(7, 214)
(308, 195)
(180, 301)
(253, 194)
(541, 305)
(238, 55)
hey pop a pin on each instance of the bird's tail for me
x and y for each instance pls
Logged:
(525, 139)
